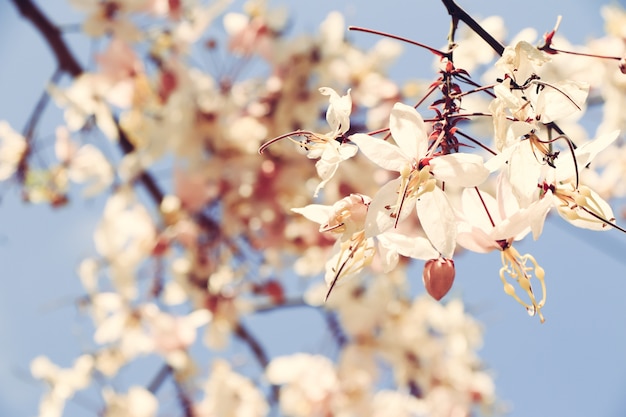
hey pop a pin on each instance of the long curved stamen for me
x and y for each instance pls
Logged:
(359, 255)
(514, 267)
(286, 135)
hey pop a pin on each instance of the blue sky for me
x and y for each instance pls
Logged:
(573, 365)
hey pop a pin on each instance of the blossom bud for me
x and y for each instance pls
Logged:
(438, 277)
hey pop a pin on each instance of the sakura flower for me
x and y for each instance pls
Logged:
(521, 61)
(488, 224)
(330, 148)
(419, 169)
(523, 96)
(347, 216)
(353, 250)
(577, 203)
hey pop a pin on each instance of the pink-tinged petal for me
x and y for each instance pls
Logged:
(382, 153)
(317, 213)
(408, 130)
(461, 169)
(379, 219)
(412, 247)
(474, 239)
(438, 221)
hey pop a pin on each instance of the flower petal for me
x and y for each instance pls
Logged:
(438, 221)
(408, 130)
(462, 169)
(412, 247)
(382, 153)
(338, 113)
(379, 219)
(315, 212)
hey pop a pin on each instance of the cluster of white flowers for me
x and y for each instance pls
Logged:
(535, 165)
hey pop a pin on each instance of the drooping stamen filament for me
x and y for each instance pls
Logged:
(515, 268)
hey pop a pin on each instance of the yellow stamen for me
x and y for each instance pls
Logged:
(354, 254)
(515, 269)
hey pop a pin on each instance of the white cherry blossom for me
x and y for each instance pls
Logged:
(420, 169)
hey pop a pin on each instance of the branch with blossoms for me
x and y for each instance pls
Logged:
(220, 237)
(434, 168)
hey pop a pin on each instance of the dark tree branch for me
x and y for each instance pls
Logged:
(52, 35)
(458, 13)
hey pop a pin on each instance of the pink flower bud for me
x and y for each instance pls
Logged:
(438, 277)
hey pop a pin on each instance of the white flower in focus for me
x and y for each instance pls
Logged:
(346, 216)
(419, 169)
(330, 148)
(575, 202)
(353, 251)
(521, 61)
(487, 224)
